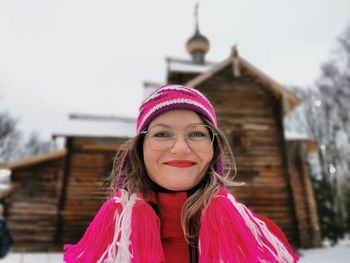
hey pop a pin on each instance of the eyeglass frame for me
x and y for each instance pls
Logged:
(175, 137)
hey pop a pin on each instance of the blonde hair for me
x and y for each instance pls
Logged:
(129, 173)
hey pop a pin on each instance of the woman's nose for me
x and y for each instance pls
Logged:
(180, 145)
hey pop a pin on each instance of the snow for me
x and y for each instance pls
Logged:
(33, 258)
(326, 254)
(5, 176)
(338, 254)
(99, 128)
(4, 187)
(295, 135)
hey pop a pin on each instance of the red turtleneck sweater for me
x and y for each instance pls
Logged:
(175, 246)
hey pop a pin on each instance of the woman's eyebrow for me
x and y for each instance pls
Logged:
(196, 123)
(161, 124)
(169, 126)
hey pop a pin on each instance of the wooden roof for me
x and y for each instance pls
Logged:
(33, 160)
(289, 99)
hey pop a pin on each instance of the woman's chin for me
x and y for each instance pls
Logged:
(179, 186)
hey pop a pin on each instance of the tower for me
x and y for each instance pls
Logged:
(198, 44)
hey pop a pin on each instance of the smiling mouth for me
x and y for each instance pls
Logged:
(180, 163)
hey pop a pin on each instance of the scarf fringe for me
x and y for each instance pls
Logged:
(145, 235)
(118, 249)
(93, 243)
(236, 235)
(125, 229)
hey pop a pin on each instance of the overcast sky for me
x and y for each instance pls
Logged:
(59, 57)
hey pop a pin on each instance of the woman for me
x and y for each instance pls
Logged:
(170, 203)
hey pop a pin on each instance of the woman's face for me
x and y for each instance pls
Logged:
(179, 167)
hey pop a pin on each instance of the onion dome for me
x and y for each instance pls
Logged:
(197, 45)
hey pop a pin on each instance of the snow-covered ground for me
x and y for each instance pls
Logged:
(327, 254)
(33, 258)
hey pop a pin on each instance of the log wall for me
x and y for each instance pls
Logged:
(32, 208)
(89, 163)
(303, 195)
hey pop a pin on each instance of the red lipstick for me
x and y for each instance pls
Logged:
(180, 163)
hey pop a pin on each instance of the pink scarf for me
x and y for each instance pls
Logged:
(126, 229)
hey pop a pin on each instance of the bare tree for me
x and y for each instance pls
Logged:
(334, 86)
(12, 144)
(34, 145)
(325, 117)
(9, 138)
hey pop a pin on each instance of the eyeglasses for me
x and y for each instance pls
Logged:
(199, 137)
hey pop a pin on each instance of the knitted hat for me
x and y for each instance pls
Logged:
(174, 97)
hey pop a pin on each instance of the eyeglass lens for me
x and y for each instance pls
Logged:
(198, 137)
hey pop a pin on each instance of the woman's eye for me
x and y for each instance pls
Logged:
(162, 135)
(196, 134)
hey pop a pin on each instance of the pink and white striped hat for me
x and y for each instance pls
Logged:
(174, 97)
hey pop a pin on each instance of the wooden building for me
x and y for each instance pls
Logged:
(32, 208)
(58, 194)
